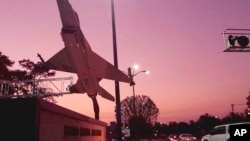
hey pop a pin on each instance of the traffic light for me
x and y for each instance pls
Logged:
(243, 41)
(130, 76)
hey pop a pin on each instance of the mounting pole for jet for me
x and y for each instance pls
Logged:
(117, 88)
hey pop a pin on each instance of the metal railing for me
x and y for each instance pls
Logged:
(36, 87)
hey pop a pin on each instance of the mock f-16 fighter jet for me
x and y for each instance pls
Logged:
(77, 57)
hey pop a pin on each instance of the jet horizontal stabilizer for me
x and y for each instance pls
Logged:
(103, 93)
(103, 69)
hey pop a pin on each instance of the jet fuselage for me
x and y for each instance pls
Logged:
(78, 50)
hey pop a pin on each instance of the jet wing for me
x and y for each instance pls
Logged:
(60, 62)
(78, 88)
(103, 69)
(99, 66)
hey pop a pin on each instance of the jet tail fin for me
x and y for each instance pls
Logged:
(105, 94)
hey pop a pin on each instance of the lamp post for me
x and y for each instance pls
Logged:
(131, 74)
(117, 87)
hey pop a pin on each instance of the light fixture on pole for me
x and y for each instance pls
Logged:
(131, 75)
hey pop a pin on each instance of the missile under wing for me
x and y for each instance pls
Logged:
(77, 57)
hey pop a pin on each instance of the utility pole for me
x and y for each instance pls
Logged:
(232, 106)
(132, 83)
(131, 75)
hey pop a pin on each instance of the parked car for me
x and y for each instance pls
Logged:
(173, 137)
(187, 137)
(221, 132)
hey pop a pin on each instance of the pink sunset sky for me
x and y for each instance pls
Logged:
(179, 41)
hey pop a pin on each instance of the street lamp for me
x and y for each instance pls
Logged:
(131, 74)
(117, 86)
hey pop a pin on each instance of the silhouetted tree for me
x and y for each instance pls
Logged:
(5, 63)
(161, 129)
(207, 122)
(139, 127)
(248, 100)
(247, 111)
(144, 107)
(32, 71)
(139, 112)
(35, 70)
(200, 127)
(174, 127)
(194, 128)
(233, 117)
(183, 127)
